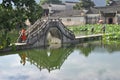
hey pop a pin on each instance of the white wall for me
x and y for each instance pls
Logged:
(93, 18)
(118, 14)
(73, 20)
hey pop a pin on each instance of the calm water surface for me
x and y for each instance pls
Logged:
(89, 61)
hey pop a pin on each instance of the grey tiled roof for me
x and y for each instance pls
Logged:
(45, 6)
(67, 13)
(57, 7)
(107, 9)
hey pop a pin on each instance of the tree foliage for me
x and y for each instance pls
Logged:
(107, 1)
(84, 4)
(15, 12)
(5, 17)
(50, 1)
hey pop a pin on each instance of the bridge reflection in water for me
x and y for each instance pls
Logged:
(83, 59)
(49, 59)
(52, 59)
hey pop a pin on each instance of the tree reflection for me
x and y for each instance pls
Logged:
(49, 59)
(112, 47)
(85, 48)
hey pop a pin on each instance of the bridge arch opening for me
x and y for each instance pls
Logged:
(54, 36)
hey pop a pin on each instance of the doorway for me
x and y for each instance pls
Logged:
(110, 21)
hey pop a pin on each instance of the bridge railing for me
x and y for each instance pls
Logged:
(67, 31)
(34, 26)
(30, 29)
(39, 23)
(39, 28)
(34, 35)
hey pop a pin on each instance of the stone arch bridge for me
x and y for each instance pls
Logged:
(46, 31)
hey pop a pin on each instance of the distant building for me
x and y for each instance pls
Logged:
(109, 14)
(71, 17)
(55, 8)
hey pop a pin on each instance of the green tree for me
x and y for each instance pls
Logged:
(84, 4)
(50, 1)
(107, 1)
(6, 16)
(28, 9)
(15, 12)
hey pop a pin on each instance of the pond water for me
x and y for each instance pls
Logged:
(87, 61)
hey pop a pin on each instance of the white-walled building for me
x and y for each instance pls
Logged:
(109, 14)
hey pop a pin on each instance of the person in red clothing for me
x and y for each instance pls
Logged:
(23, 35)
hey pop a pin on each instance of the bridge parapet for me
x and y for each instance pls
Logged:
(38, 32)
